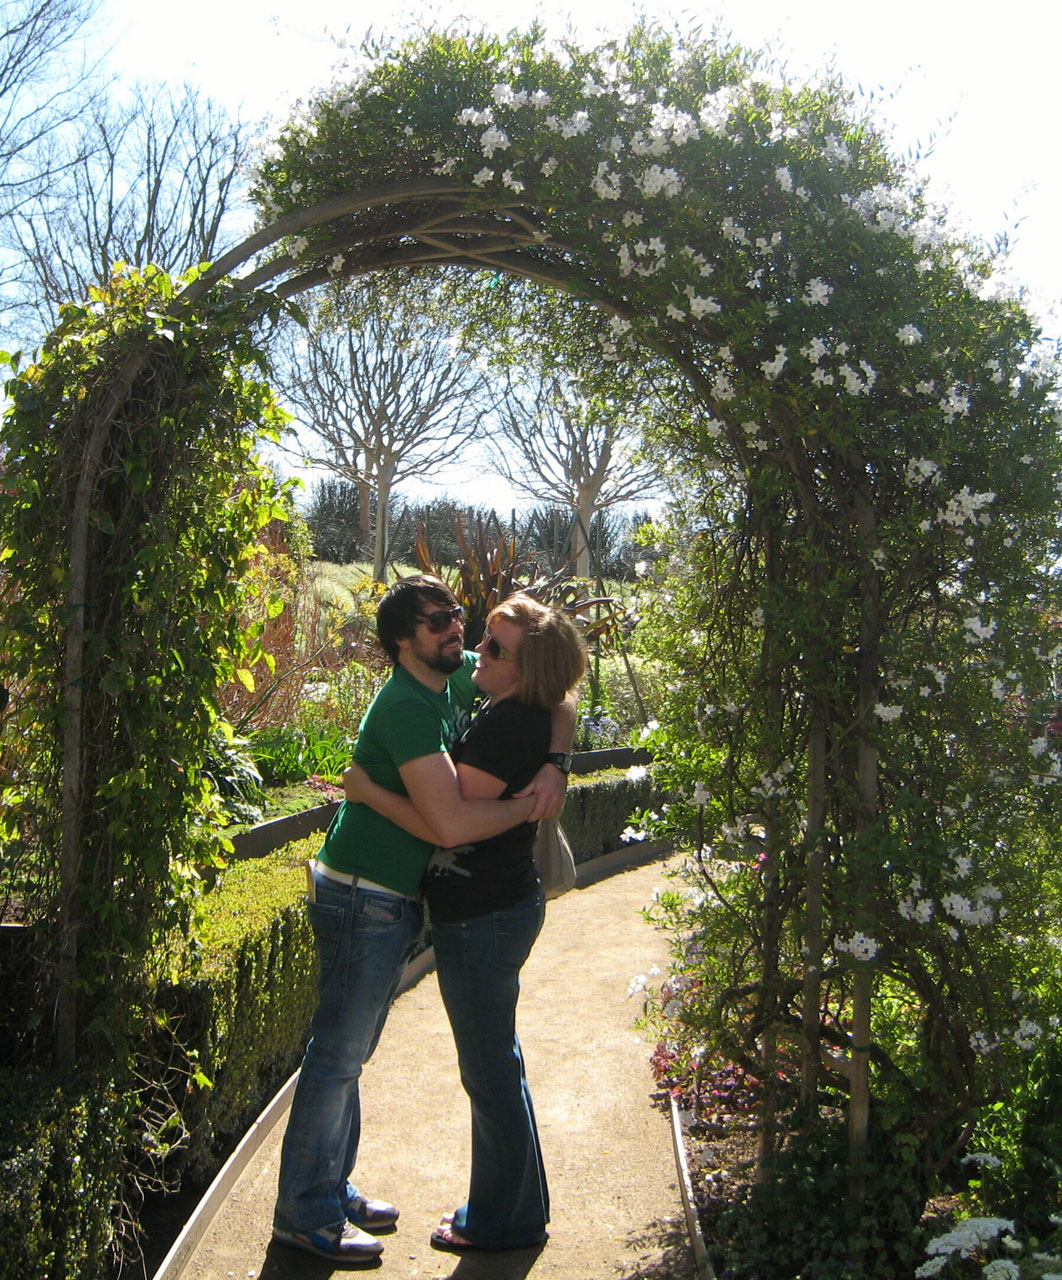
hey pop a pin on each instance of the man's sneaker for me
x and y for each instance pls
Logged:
(371, 1215)
(341, 1243)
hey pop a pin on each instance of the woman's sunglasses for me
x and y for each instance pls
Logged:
(440, 619)
(497, 651)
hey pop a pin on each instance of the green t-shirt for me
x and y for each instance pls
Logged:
(405, 721)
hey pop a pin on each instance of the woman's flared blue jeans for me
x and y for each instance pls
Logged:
(479, 964)
(364, 939)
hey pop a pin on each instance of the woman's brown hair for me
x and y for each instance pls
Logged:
(552, 655)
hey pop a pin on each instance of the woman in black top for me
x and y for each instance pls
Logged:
(486, 907)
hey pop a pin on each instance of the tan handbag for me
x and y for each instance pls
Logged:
(553, 858)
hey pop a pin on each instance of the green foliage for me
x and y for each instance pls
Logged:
(332, 511)
(230, 767)
(598, 809)
(791, 1226)
(61, 1140)
(243, 1002)
(138, 421)
(287, 755)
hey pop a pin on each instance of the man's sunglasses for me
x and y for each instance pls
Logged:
(440, 619)
(497, 651)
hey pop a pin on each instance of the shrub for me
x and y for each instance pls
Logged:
(61, 1140)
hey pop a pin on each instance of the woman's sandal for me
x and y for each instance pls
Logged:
(444, 1237)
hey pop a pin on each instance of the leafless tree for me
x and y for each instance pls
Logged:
(153, 179)
(575, 452)
(381, 397)
(45, 84)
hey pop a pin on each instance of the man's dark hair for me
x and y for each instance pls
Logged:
(403, 605)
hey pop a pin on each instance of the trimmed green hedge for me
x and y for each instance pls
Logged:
(244, 1013)
(61, 1140)
(239, 1015)
(599, 808)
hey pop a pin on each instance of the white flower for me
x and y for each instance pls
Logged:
(656, 181)
(483, 177)
(976, 630)
(493, 139)
(931, 1268)
(471, 116)
(859, 946)
(549, 166)
(887, 714)
(772, 368)
(1027, 1033)
(909, 335)
(784, 178)
(981, 1042)
(816, 293)
(835, 149)
(702, 306)
(578, 124)
(336, 265)
(955, 404)
(1001, 1269)
(700, 793)
(722, 387)
(637, 772)
(505, 96)
(733, 231)
(631, 835)
(919, 470)
(299, 246)
(605, 183)
(512, 183)
(969, 1236)
(637, 985)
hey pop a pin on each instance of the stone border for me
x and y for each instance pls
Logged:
(587, 873)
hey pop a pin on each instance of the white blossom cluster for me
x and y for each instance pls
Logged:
(859, 946)
(965, 507)
(922, 471)
(976, 908)
(774, 783)
(968, 1237)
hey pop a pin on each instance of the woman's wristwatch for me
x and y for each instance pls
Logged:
(562, 759)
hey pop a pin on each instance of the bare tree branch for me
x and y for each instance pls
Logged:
(381, 398)
(45, 83)
(577, 453)
(153, 180)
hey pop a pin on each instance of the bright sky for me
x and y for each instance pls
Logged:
(974, 94)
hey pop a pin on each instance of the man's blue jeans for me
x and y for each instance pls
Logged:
(364, 940)
(479, 963)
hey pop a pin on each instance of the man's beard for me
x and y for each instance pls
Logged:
(446, 660)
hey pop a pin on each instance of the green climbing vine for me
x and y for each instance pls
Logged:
(109, 851)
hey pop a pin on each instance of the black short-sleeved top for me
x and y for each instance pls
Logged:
(509, 741)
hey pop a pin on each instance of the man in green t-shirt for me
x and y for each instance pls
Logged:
(365, 912)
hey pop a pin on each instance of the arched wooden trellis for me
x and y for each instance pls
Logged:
(808, 361)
